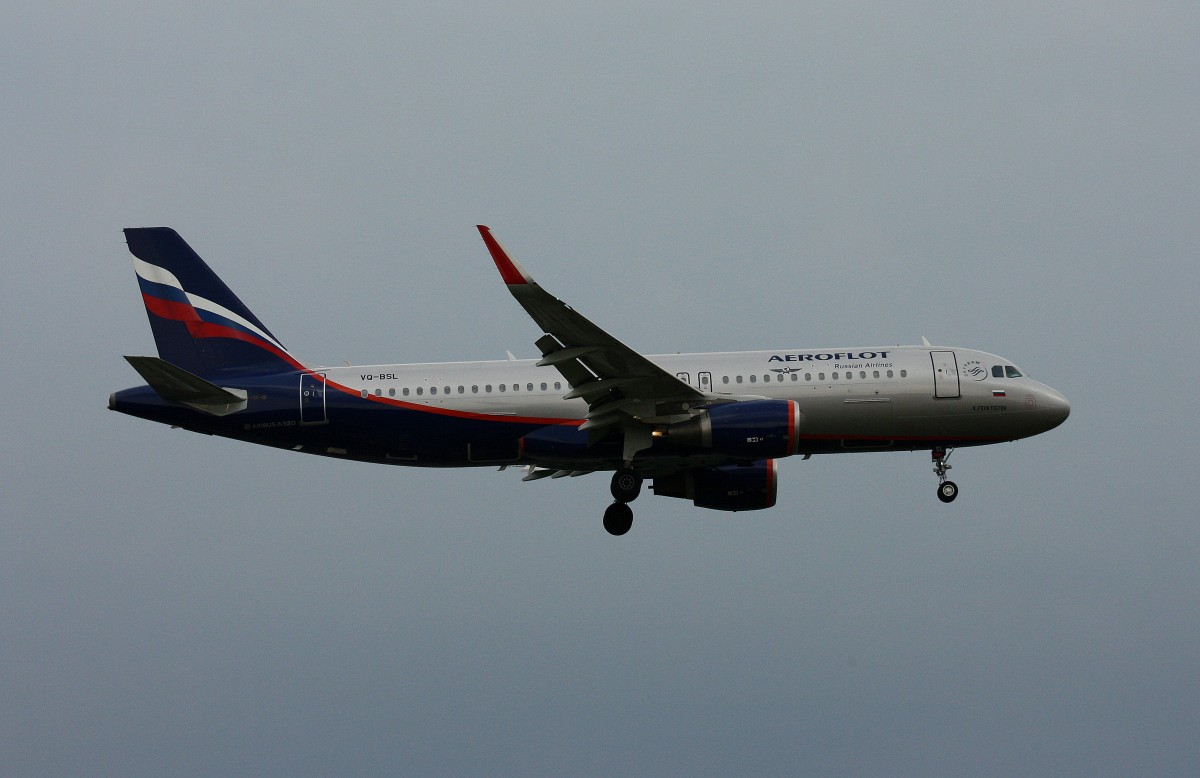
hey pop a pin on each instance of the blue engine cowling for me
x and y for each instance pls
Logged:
(756, 429)
(726, 488)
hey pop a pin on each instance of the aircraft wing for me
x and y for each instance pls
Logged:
(616, 382)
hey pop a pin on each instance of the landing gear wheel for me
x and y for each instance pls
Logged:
(947, 491)
(626, 485)
(618, 518)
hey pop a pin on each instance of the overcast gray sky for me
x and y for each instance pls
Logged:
(1017, 178)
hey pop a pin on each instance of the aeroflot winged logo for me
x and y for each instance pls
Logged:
(826, 356)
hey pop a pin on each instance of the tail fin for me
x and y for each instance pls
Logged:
(199, 324)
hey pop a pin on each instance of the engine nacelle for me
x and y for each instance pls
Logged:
(726, 488)
(756, 429)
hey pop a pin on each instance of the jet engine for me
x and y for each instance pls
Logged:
(753, 429)
(749, 487)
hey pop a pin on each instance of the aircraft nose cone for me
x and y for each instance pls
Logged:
(1057, 407)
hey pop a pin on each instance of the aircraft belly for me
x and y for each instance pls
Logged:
(956, 422)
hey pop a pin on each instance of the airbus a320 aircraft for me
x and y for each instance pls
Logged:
(709, 428)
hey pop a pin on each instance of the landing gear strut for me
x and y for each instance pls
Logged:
(626, 486)
(947, 490)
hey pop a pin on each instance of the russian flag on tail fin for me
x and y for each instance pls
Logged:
(199, 324)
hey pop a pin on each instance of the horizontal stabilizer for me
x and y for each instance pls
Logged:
(178, 385)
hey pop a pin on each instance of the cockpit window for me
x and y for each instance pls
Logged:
(1006, 371)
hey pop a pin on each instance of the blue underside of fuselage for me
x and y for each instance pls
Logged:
(358, 428)
(348, 426)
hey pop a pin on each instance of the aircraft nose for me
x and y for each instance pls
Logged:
(1056, 406)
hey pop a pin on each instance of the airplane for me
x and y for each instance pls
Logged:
(705, 427)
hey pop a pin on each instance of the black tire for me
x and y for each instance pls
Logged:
(618, 518)
(626, 485)
(947, 491)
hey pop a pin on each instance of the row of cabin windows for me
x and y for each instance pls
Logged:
(487, 389)
(835, 376)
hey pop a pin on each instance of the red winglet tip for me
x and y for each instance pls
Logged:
(508, 269)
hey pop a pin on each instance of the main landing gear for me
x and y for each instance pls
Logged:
(626, 486)
(947, 490)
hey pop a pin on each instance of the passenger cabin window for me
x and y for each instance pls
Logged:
(404, 391)
(420, 390)
(433, 390)
(753, 379)
(488, 388)
(904, 374)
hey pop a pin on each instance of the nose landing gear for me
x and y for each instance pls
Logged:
(947, 490)
(626, 486)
